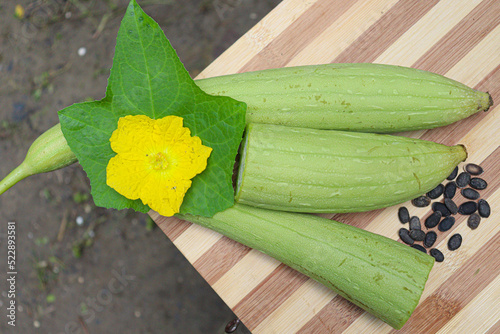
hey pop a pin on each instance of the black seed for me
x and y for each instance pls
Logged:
(450, 189)
(473, 221)
(438, 206)
(467, 208)
(470, 193)
(430, 239)
(446, 224)
(478, 183)
(421, 202)
(451, 206)
(403, 215)
(436, 254)
(415, 223)
(404, 234)
(420, 248)
(473, 169)
(417, 235)
(433, 219)
(436, 192)
(483, 208)
(454, 242)
(463, 179)
(453, 174)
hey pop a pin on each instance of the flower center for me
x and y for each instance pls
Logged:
(159, 161)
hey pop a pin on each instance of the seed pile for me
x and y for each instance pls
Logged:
(467, 183)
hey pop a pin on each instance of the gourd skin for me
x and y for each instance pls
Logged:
(50, 151)
(380, 275)
(326, 171)
(360, 97)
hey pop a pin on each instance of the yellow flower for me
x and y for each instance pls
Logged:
(155, 161)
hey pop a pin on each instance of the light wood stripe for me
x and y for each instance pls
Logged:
(244, 276)
(474, 66)
(429, 29)
(475, 318)
(385, 31)
(335, 317)
(312, 294)
(346, 29)
(258, 38)
(269, 295)
(226, 253)
(299, 34)
(195, 241)
(460, 39)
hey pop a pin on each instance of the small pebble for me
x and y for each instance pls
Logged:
(430, 239)
(433, 219)
(404, 234)
(454, 242)
(421, 202)
(82, 51)
(403, 215)
(473, 221)
(470, 193)
(438, 206)
(483, 208)
(437, 255)
(417, 235)
(467, 208)
(79, 220)
(436, 192)
(450, 189)
(446, 224)
(420, 248)
(453, 174)
(415, 223)
(450, 205)
(478, 183)
(463, 179)
(473, 169)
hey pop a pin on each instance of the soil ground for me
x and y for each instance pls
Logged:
(80, 268)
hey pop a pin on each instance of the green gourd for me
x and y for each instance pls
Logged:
(309, 170)
(360, 97)
(380, 275)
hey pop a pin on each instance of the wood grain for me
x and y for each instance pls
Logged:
(456, 38)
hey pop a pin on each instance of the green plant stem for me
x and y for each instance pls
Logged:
(19, 173)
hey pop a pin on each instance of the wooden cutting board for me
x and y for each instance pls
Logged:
(457, 38)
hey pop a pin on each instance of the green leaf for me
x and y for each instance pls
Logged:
(148, 78)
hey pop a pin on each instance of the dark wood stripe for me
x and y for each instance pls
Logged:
(335, 317)
(221, 257)
(298, 35)
(461, 39)
(269, 295)
(172, 226)
(383, 33)
(457, 291)
(491, 83)
(495, 329)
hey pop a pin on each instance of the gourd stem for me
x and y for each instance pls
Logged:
(19, 173)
